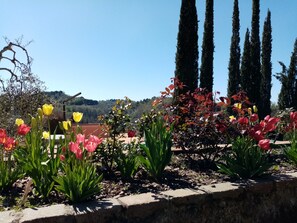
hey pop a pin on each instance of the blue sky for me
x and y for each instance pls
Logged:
(109, 49)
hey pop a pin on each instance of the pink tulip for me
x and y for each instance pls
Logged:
(62, 157)
(79, 154)
(80, 138)
(73, 147)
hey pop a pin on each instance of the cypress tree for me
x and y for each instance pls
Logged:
(283, 97)
(234, 62)
(292, 73)
(287, 95)
(206, 70)
(255, 55)
(245, 70)
(186, 58)
(266, 69)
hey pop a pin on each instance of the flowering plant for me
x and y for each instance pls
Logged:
(9, 170)
(39, 156)
(79, 179)
(291, 151)
(249, 152)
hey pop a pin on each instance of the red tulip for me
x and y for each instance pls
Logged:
(254, 117)
(257, 135)
(293, 116)
(3, 136)
(23, 129)
(264, 144)
(9, 144)
(131, 133)
(243, 121)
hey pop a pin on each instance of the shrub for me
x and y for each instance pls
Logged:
(116, 122)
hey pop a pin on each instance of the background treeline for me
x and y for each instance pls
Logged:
(92, 108)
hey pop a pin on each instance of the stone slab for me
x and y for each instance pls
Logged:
(222, 190)
(184, 196)
(142, 205)
(53, 214)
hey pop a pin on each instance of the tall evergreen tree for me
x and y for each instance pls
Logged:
(255, 54)
(266, 69)
(292, 74)
(245, 70)
(286, 97)
(206, 69)
(186, 58)
(234, 62)
(293, 70)
(284, 94)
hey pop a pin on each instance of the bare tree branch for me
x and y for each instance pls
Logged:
(24, 67)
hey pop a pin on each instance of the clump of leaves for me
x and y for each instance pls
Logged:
(245, 160)
(79, 181)
(127, 160)
(157, 148)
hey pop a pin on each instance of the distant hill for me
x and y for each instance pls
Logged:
(92, 108)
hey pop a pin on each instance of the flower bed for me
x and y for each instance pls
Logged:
(38, 171)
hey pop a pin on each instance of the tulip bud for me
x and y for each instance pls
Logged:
(40, 112)
(33, 123)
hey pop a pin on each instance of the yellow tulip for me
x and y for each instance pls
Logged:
(232, 118)
(249, 111)
(237, 105)
(47, 109)
(45, 134)
(19, 121)
(77, 116)
(66, 124)
(255, 108)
